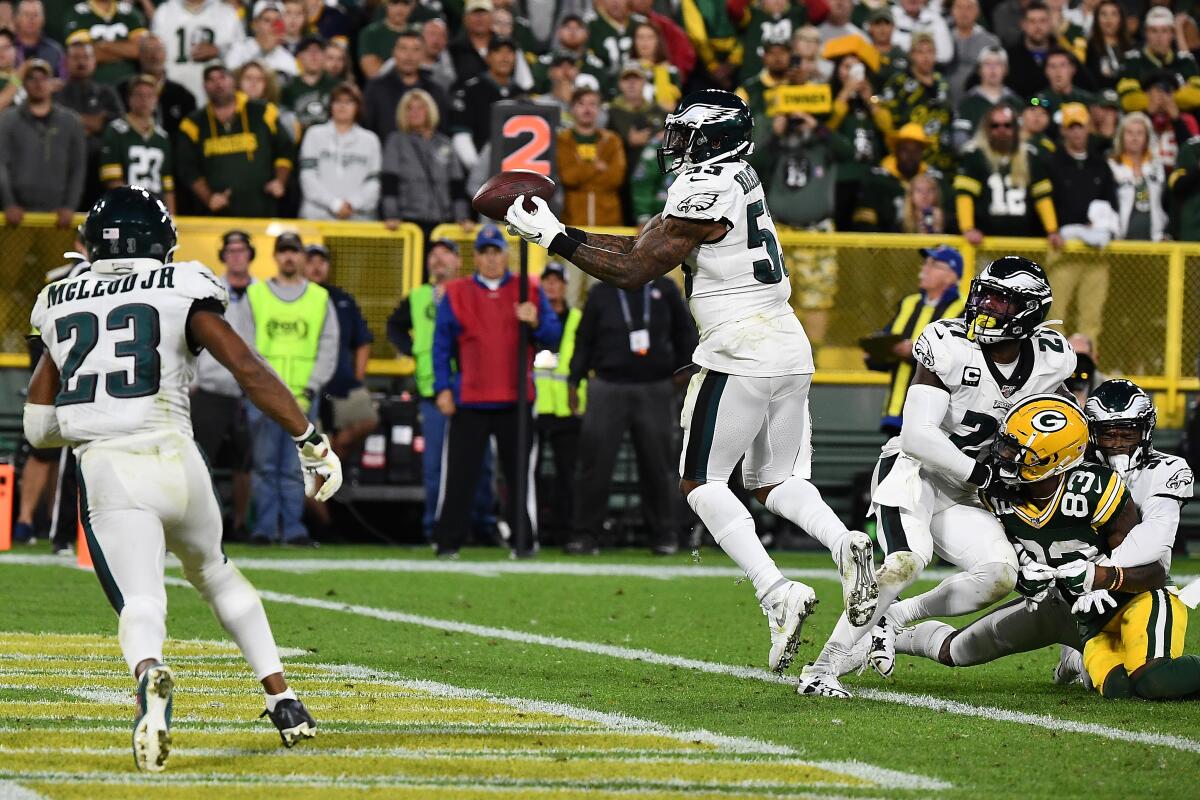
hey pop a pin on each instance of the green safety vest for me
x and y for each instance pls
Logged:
(287, 334)
(551, 382)
(423, 310)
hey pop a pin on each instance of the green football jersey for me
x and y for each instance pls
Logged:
(610, 43)
(310, 104)
(1002, 207)
(130, 157)
(760, 25)
(909, 100)
(377, 39)
(1075, 523)
(125, 23)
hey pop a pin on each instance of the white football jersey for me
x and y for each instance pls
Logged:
(1160, 475)
(121, 346)
(980, 393)
(737, 286)
(180, 29)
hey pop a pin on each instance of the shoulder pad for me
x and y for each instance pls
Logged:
(707, 193)
(1171, 476)
(194, 280)
(939, 349)
(120, 125)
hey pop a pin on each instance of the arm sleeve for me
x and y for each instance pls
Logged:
(549, 330)
(327, 350)
(922, 436)
(1151, 539)
(398, 331)
(445, 337)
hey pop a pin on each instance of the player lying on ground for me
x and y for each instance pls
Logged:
(750, 397)
(121, 344)
(1093, 576)
(924, 493)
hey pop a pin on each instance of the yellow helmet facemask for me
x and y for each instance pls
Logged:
(1042, 436)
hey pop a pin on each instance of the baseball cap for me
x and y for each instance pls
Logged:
(289, 241)
(912, 132)
(263, 6)
(478, 5)
(38, 64)
(1160, 17)
(555, 268)
(946, 255)
(497, 42)
(449, 244)
(317, 250)
(1074, 114)
(235, 237)
(632, 68)
(881, 14)
(490, 236)
(1109, 99)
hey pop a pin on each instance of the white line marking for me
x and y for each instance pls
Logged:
(110, 697)
(14, 791)
(745, 673)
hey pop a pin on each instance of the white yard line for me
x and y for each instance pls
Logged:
(746, 673)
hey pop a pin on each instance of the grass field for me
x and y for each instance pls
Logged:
(616, 676)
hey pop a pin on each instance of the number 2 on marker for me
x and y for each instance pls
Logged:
(532, 154)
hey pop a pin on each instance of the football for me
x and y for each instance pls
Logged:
(499, 191)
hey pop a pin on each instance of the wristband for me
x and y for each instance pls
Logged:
(564, 245)
(981, 475)
(310, 434)
(576, 234)
(1119, 580)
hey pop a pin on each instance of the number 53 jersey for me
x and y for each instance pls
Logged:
(737, 286)
(980, 392)
(121, 345)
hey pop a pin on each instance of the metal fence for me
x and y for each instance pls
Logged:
(1139, 300)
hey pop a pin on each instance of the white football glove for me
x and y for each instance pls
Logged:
(1033, 583)
(1094, 602)
(539, 227)
(318, 458)
(1078, 576)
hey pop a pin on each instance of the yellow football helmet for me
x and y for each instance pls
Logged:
(1042, 436)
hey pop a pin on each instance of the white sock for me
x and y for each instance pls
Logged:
(273, 699)
(961, 593)
(142, 629)
(798, 501)
(925, 640)
(240, 611)
(732, 528)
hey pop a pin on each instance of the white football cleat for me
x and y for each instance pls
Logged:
(786, 608)
(860, 592)
(1070, 666)
(152, 725)
(820, 684)
(881, 654)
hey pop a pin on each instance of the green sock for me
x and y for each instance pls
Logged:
(1117, 684)
(1169, 679)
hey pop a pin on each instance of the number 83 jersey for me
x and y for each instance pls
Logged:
(737, 286)
(981, 393)
(122, 349)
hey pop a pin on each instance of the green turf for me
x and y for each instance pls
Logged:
(705, 618)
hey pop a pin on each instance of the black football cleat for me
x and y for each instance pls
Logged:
(293, 721)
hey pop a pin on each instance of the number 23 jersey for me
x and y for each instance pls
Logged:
(980, 393)
(737, 287)
(122, 349)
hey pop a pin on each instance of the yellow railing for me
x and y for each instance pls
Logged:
(844, 285)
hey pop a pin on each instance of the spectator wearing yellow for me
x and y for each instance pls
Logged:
(1161, 53)
(881, 198)
(650, 53)
(136, 150)
(114, 27)
(715, 38)
(591, 166)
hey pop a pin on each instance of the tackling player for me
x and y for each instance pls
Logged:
(969, 372)
(750, 397)
(1120, 424)
(121, 344)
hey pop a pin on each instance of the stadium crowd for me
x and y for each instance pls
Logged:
(922, 116)
(1009, 118)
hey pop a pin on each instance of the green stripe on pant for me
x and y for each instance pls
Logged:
(107, 582)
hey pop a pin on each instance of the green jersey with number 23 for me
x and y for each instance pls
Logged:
(981, 392)
(737, 286)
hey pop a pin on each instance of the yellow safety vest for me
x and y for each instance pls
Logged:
(551, 371)
(287, 334)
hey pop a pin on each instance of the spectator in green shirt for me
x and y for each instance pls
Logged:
(375, 41)
(113, 28)
(307, 96)
(233, 153)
